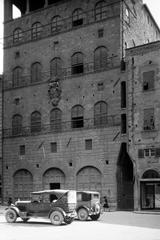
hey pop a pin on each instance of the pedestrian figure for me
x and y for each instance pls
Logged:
(9, 201)
(105, 205)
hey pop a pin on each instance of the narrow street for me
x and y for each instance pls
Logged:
(111, 225)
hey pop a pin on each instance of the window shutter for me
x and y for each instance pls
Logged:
(140, 153)
(157, 152)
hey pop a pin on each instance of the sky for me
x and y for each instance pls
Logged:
(154, 6)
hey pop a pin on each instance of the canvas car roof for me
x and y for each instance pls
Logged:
(51, 191)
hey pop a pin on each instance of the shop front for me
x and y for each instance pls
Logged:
(150, 190)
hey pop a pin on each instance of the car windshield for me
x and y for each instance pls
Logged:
(36, 197)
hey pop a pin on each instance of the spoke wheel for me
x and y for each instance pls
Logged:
(11, 216)
(56, 218)
(82, 214)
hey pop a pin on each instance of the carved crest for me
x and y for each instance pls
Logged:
(54, 92)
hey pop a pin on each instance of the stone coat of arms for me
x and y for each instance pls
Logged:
(54, 92)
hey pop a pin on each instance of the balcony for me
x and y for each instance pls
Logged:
(88, 68)
(63, 25)
(111, 121)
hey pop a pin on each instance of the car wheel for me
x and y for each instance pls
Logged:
(11, 216)
(25, 220)
(68, 220)
(95, 217)
(82, 214)
(56, 218)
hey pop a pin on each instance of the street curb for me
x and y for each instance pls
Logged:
(148, 212)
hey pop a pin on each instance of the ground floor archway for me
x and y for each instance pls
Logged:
(53, 178)
(89, 178)
(22, 184)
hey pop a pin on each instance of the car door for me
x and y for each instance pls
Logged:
(40, 208)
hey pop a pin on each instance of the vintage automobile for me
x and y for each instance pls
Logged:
(88, 205)
(57, 205)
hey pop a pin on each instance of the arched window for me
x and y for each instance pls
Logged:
(77, 113)
(36, 30)
(151, 174)
(36, 72)
(77, 63)
(56, 67)
(16, 76)
(56, 24)
(55, 119)
(17, 124)
(100, 10)
(100, 58)
(100, 113)
(35, 122)
(150, 190)
(17, 35)
(77, 17)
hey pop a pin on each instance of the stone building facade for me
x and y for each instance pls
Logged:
(64, 118)
(143, 122)
(1, 77)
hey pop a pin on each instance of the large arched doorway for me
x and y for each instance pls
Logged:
(150, 190)
(125, 196)
(53, 178)
(22, 184)
(89, 178)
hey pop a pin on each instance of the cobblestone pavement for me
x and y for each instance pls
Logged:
(110, 226)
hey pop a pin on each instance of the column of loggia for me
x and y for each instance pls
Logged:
(7, 10)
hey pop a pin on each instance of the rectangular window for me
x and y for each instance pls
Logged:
(148, 80)
(53, 147)
(123, 123)
(149, 152)
(149, 122)
(22, 150)
(123, 94)
(100, 86)
(88, 144)
(100, 32)
(146, 152)
(157, 152)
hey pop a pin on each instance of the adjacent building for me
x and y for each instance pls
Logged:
(64, 96)
(1, 76)
(143, 122)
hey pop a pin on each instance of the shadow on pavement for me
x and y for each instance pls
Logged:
(34, 224)
(131, 219)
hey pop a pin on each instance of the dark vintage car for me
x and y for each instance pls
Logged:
(57, 205)
(88, 205)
